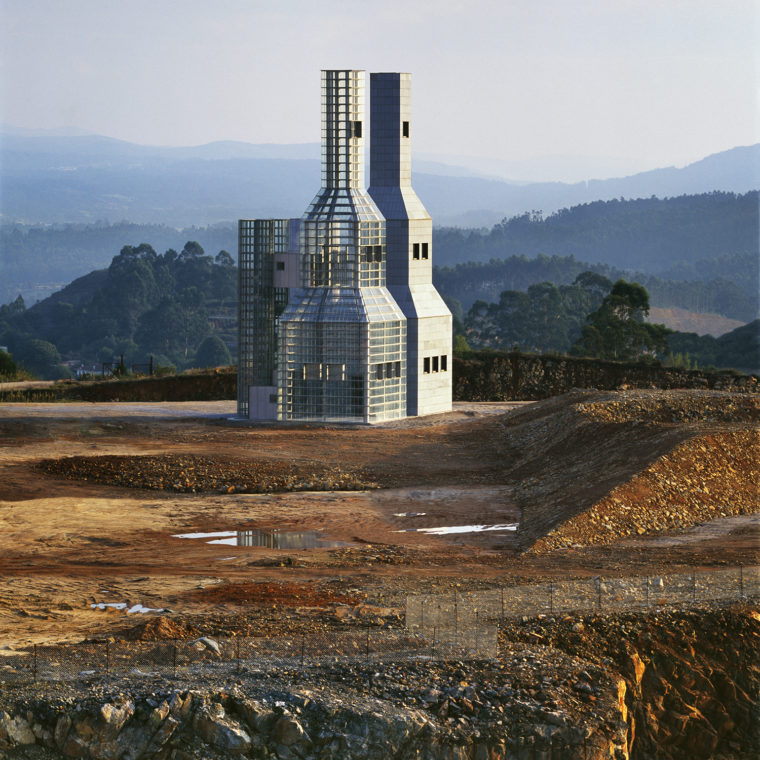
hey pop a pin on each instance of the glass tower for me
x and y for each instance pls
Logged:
(326, 300)
(342, 337)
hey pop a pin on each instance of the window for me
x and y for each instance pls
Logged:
(424, 250)
(389, 369)
(444, 363)
(378, 372)
(435, 364)
(368, 255)
(280, 266)
(405, 128)
(416, 251)
(426, 365)
(397, 368)
(357, 129)
(378, 253)
(272, 398)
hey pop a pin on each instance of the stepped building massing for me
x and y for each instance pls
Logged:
(338, 317)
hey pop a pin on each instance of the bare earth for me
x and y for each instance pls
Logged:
(68, 544)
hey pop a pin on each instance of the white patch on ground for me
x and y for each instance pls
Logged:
(217, 534)
(449, 529)
(134, 609)
(409, 514)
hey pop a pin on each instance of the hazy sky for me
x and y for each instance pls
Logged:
(658, 82)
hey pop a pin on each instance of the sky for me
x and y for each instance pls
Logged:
(647, 82)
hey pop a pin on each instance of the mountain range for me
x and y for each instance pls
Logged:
(73, 178)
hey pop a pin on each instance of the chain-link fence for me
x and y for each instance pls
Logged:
(94, 660)
(458, 616)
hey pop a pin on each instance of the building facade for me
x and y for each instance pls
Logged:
(338, 317)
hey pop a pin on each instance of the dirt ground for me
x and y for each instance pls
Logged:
(70, 547)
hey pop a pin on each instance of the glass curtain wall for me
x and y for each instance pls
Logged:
(342, 324)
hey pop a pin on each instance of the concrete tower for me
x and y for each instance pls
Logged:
(342, 337)
(409, 246)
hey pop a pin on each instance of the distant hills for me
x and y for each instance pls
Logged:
(86, 178)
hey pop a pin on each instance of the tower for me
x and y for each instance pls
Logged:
(342, 337)
(338, 316)
(409, 246)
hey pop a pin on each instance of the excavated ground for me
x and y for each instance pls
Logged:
(600, 484)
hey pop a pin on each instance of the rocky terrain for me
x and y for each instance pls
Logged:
(588, 485)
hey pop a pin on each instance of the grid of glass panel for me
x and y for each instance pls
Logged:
(343, 324)
(259, 302)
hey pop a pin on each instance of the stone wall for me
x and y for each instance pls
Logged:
(514, 376)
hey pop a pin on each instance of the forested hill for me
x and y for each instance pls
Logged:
(724, 285)
(660, 236)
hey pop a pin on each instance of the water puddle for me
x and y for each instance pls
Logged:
(451, 529)
(269, 539)
(409, 514)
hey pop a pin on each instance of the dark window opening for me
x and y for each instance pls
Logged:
(368, 253)
(280, 266)
(415, 250)
(397, 368)
(426, 365)
(389, 369)
(272, 398)
(424, 250)
(444, 363)
(379, 372)
(405, 128)
(357, 129)
(435, 364)
(378, 253)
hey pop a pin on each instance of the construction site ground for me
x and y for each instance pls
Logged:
(74, 539)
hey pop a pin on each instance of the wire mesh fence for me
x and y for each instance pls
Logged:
(452, 617)
(93, 660)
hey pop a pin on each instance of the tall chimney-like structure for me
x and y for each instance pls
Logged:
(342, 337)
(409, 246)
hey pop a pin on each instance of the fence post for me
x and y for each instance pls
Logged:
(599, 594)
(456, 614)
(422, 616)
(108, 657)
(477, 631)
(34, 664)
(432, 644)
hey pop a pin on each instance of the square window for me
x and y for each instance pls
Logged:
(405, 128)
(435, 364)
(444, 363)
(415, 250)
(357, 129)
(280, 266)
(424, 250)
(426, 365)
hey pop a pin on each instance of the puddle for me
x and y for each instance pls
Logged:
(450, 529)
(409, 514)
(269, 539)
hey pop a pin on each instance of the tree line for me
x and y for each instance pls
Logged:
(144, 304)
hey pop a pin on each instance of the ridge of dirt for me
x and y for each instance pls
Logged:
(199, 474)
(589, 448)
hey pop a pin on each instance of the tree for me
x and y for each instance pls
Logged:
(617, 330)
(212, 353)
